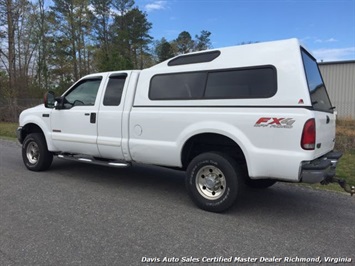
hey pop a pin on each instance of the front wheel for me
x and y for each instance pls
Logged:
(35, 154)
(213, 181)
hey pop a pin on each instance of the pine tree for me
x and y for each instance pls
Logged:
(184, 43)
(202, 41)
(163, 50)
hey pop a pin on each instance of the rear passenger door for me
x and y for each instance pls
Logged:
(109, 140)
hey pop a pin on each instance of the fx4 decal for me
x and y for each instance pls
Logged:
(274, 122)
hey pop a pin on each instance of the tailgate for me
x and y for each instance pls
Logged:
(325, 132)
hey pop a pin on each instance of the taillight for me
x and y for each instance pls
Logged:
(308, 140)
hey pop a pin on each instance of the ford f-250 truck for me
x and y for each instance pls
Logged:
(252, 114)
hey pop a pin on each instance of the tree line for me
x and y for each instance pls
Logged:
(50, 46)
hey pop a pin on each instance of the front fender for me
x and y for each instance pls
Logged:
(40, 117)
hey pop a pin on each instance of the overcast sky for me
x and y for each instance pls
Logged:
(326, 28)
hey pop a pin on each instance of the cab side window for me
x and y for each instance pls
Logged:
(114, 90)
(83, 94)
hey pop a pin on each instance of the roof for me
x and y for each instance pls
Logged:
(337, 62)
(234, 56)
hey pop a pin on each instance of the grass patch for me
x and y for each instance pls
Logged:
(347, 167)
(345, 135)
(8, 130)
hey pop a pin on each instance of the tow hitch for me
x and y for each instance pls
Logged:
(348, 188)
(334, 157)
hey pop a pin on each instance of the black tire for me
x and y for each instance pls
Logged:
(213, 181)
(35, 154)
(259, 183)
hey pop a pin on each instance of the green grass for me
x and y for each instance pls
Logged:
(345, 134)
(8, 130)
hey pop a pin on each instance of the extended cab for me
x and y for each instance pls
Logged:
(252, 114)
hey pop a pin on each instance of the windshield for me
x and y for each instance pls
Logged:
(319, 96)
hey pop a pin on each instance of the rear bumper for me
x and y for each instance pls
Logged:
(321, 168)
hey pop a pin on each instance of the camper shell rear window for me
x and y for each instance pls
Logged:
(319, 95)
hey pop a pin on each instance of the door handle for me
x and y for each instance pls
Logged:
(328, 119)
(93, 118)
(87, 114)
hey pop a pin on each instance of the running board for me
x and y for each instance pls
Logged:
(78, 158)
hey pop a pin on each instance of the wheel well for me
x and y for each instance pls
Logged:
(30, 128)
(207, 142)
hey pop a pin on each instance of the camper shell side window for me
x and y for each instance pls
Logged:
(242, 83)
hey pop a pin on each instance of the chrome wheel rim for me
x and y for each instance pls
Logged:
(32, 152)
(210, 182)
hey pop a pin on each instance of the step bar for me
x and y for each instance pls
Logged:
(90, 160)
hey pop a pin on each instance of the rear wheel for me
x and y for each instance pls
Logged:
(35, 154)
(213, 181)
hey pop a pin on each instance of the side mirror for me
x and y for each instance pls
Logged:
(59, 103)
(49, 99)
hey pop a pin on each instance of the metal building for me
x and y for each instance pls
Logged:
(339, 78)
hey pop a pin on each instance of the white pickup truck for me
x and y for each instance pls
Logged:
(252, 114)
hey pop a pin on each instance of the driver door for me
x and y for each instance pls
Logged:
(74, 125)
